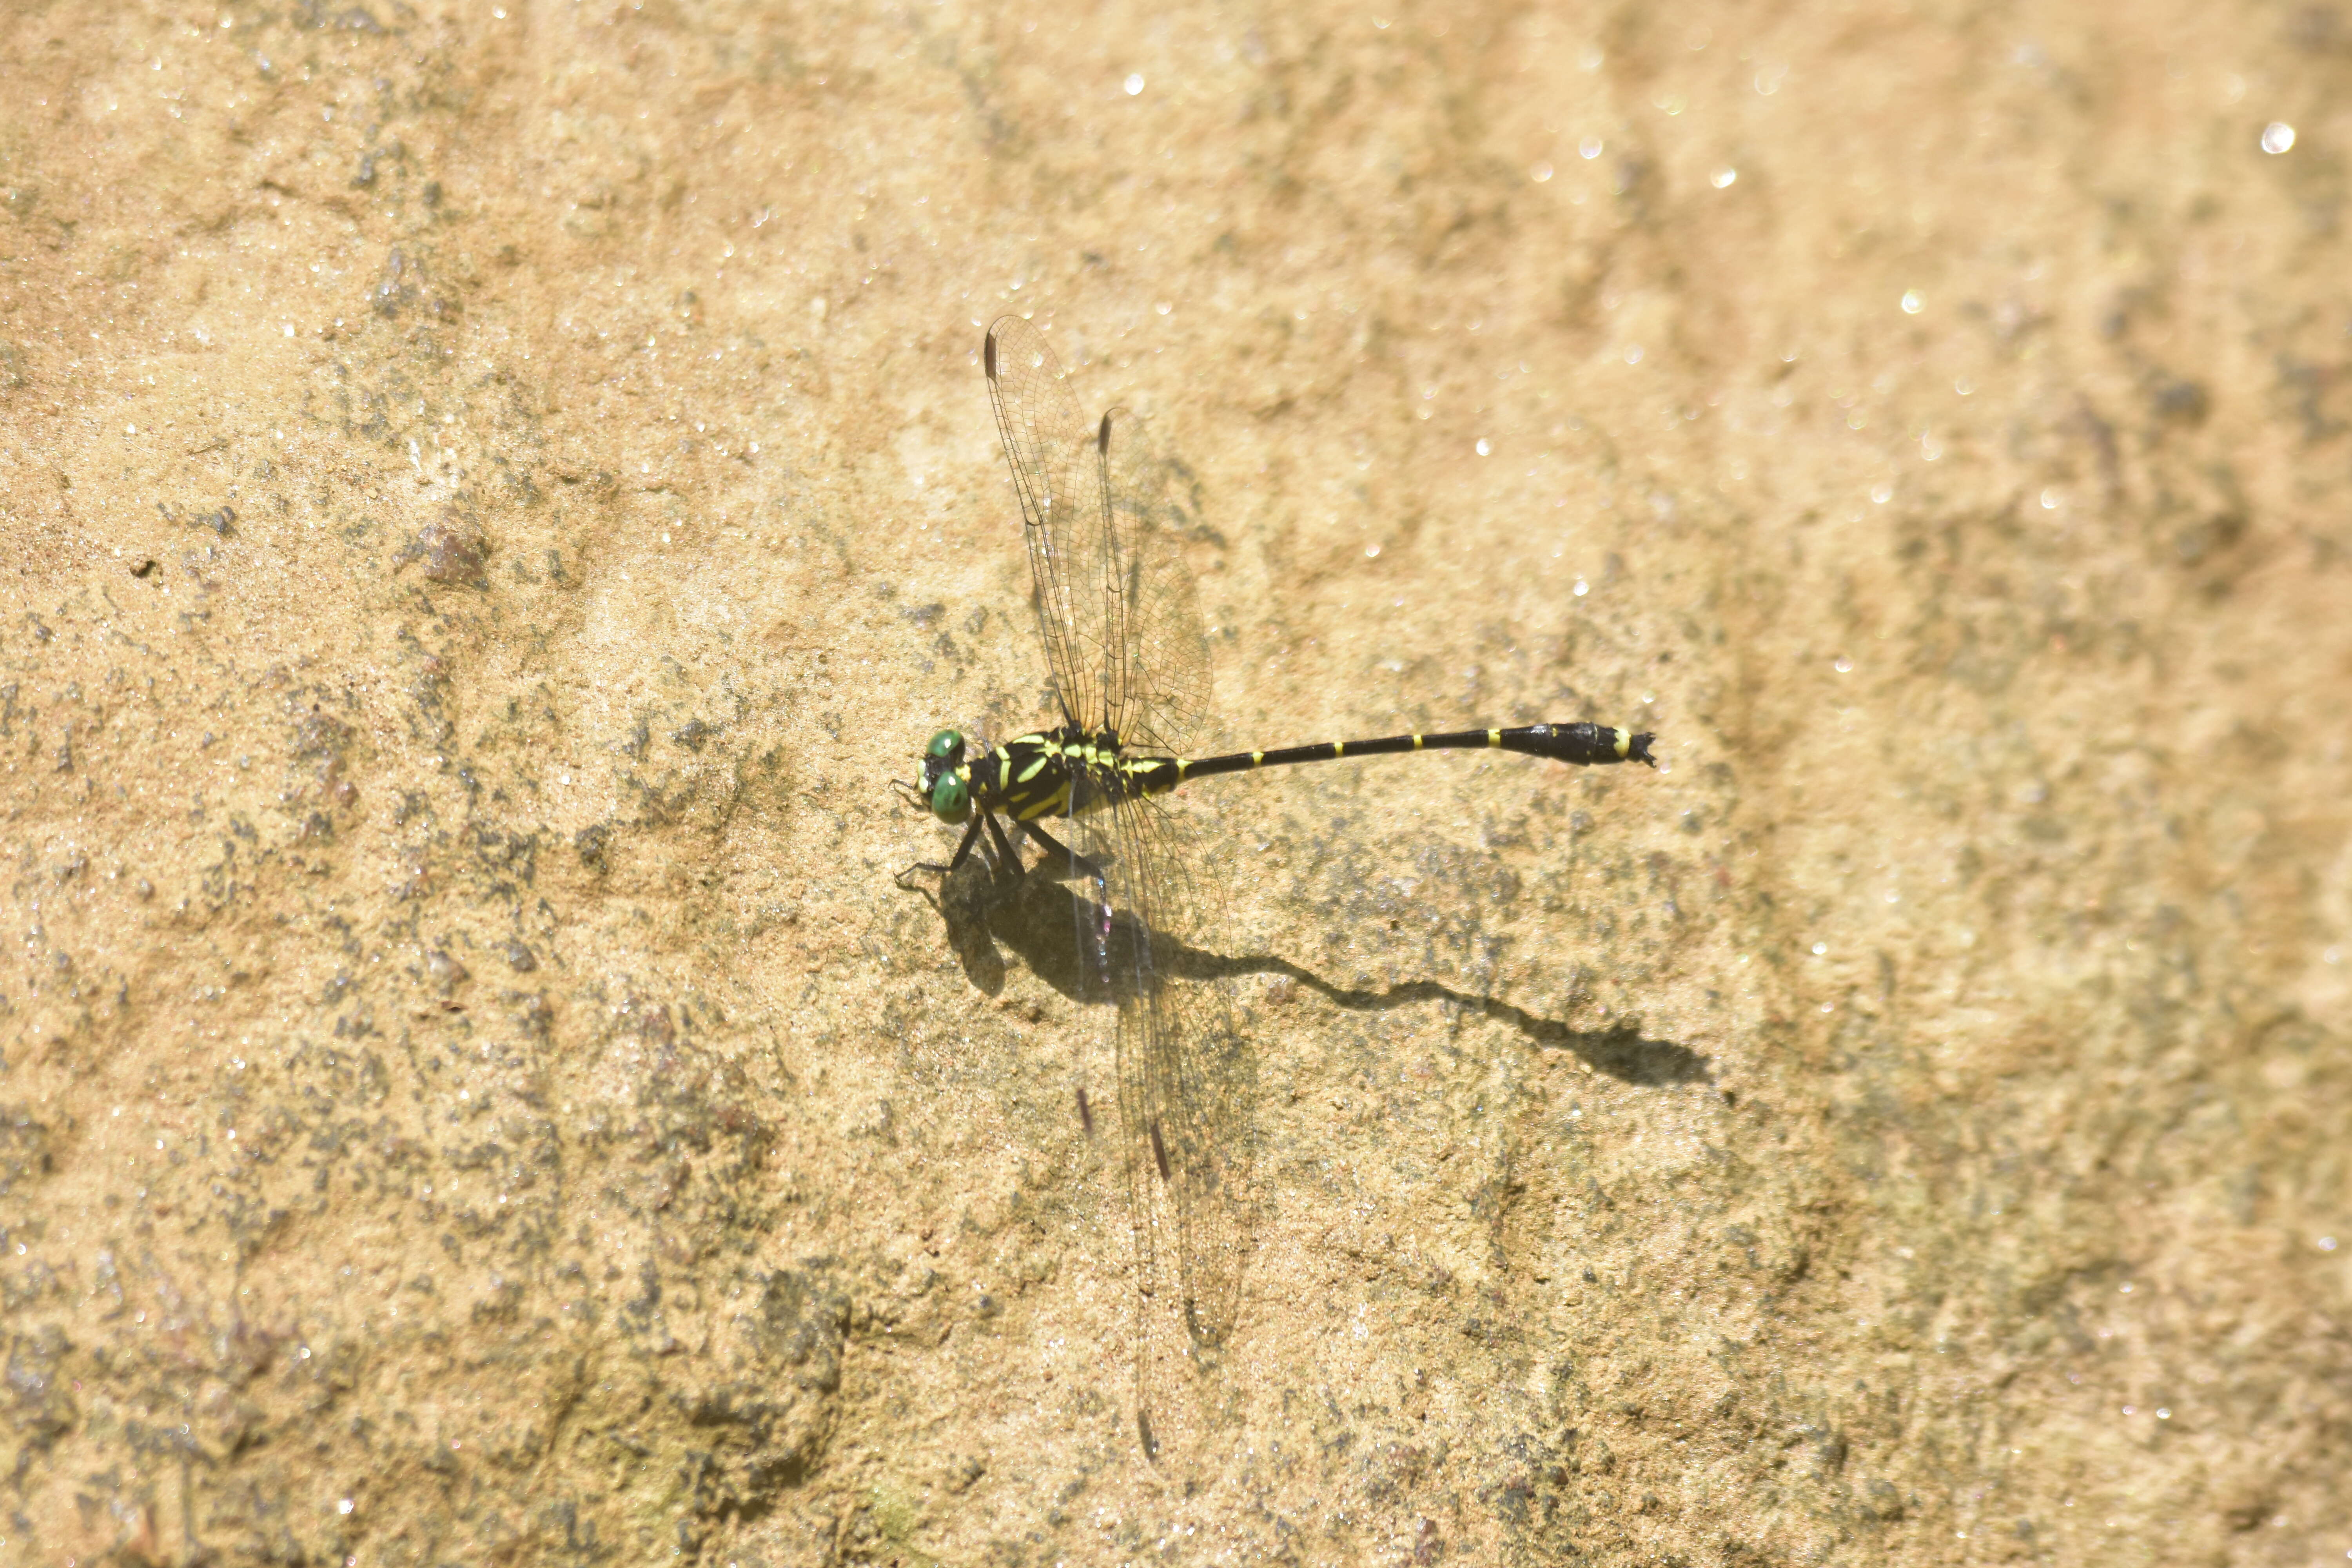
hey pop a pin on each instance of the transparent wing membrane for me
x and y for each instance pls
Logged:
(1122, 629)
(1058, 470)
(1162, 703)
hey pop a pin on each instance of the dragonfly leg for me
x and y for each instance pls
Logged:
(963, 852)
(1007, 853)
(1078, 863)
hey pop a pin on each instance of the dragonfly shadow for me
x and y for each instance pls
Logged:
(1037, 918)
(1622, 1051)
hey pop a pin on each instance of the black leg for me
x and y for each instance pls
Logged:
(1007, 853)
(1078, 863)
(970, 835)
(963, 851)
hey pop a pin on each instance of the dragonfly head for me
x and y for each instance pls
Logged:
(945, 785)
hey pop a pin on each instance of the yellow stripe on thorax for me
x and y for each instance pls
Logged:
(1051, 806)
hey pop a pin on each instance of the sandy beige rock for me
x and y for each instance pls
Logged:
(492, 495)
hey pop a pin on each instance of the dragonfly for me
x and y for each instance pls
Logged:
(1117, 615)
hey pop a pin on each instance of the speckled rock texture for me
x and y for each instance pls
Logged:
(493, 495)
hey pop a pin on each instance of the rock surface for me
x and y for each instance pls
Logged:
(493, 495)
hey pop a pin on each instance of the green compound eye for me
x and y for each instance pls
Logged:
(951, 798)
(947, 745)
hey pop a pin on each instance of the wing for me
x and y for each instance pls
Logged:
(1159, 700)
(1186, 1142)
(1116, 608)
(1057, 470)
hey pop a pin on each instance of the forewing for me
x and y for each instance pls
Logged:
(1058, 470)
(1159, 696)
